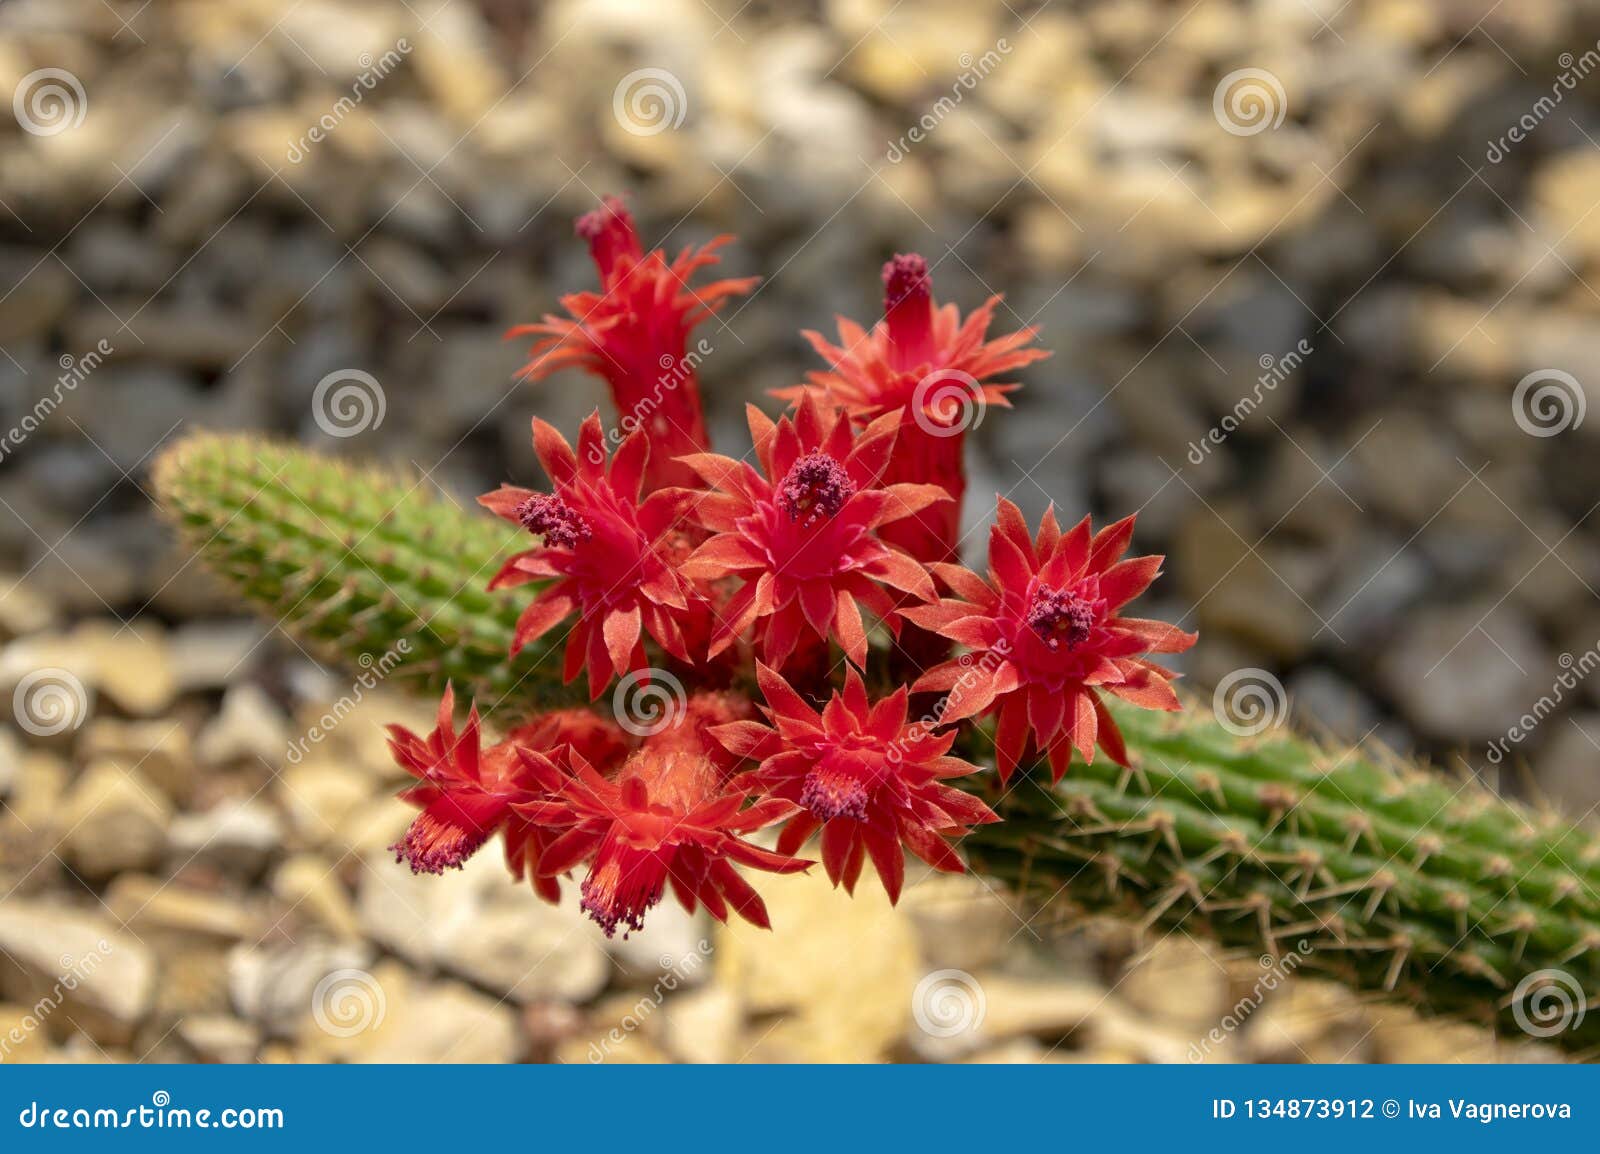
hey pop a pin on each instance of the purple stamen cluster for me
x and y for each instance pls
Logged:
(553, 519)
(1059, 615)
(905, 278)
(815, 488)
(831, 795)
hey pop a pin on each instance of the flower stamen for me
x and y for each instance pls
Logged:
(815, 488)
(553, 519)
(1060, 616)
(831, 791)
(610, 233)
(908, 308)
(623, 886)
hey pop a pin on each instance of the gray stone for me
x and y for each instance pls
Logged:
(1324, 699)
(237, 837)
(276, 986)
(474, 924)
(116, 820)
(1377, 578)
(250, 727)
(1466, 671)
(100, 978)
(1565, 765)
(219, 1038)
(211, 655)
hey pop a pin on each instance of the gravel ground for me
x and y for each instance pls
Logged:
(1315, 277)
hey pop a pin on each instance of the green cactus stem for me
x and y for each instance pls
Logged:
(1405, 886)
(352, 560)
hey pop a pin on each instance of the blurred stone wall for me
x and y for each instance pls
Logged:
(1315, 273)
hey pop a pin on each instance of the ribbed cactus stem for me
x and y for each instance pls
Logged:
(1433, 893)
(1400, 884)
(352, 560)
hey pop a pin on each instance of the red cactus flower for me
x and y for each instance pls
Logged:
(1047, 637)
(634, 333)
(689, 729)
(924, 361)
(860, 773)
(465, 794)
(670, 817)
(804, 536)
(613, 557)
(597, 740)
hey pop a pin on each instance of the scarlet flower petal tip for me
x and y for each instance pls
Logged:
(1048, 637)
(871, 781)
(802, 533)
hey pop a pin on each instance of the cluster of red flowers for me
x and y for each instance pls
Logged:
(665, 562)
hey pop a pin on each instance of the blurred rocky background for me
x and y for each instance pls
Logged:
(1315, 276)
